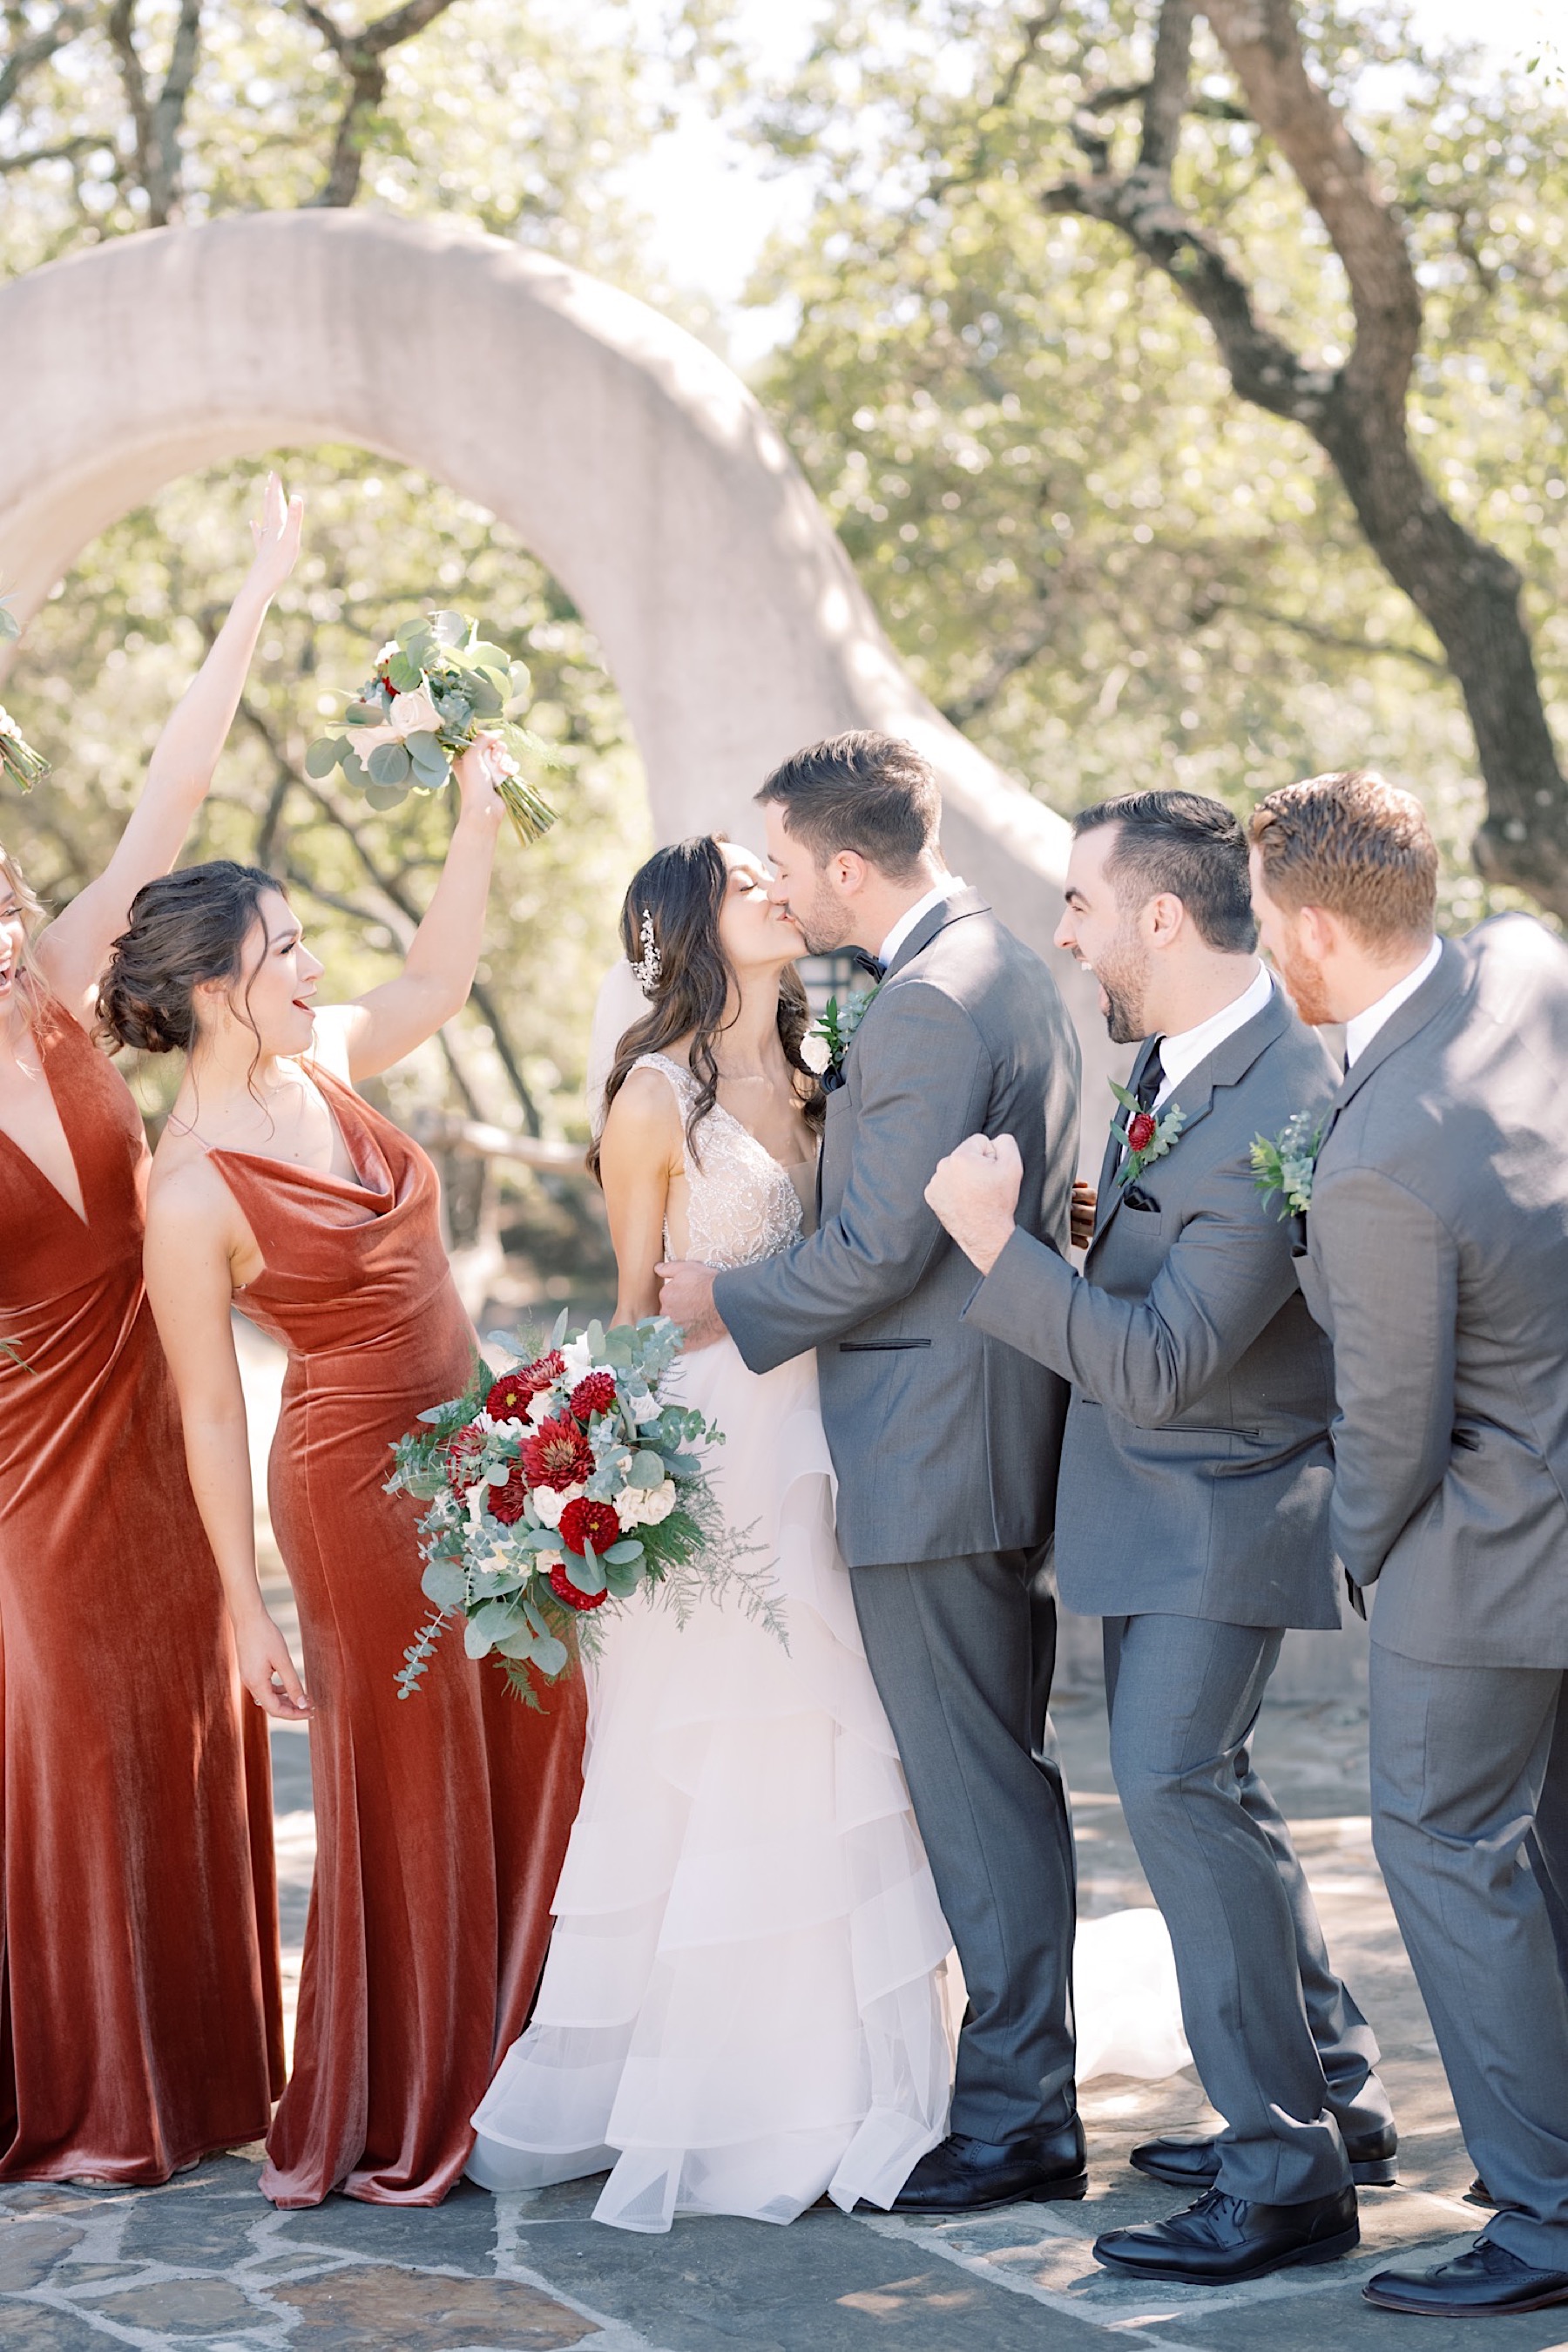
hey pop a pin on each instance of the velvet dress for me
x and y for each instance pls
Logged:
(441, 1820)
(140, 2023)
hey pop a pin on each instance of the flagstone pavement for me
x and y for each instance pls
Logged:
(206, 2265)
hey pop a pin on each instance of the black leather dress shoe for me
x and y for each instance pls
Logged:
(972, 2176)
(1223, 2239)
(1487, 2279)
(1195, 2163)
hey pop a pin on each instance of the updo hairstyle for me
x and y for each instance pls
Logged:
(185, 927)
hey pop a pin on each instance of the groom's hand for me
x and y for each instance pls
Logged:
(974, 1192)
(686, 1296)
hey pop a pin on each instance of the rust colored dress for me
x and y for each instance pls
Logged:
(140, 2024)
(441, 1820)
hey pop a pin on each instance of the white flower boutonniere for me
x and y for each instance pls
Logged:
(1287, 1165)
(827, 1042)
(1146, 1137)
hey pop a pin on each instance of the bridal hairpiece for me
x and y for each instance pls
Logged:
(647, 969)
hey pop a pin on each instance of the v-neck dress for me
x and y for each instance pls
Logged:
(141, 2022)
(441, 1820)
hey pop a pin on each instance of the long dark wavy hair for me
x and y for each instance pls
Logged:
(681, 889)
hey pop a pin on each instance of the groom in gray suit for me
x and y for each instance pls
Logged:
(1192, 1515)
(1437, 1258)
(945, 1445)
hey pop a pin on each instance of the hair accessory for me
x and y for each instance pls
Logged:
(646, 971)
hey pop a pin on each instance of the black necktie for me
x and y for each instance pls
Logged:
(1150, 1084)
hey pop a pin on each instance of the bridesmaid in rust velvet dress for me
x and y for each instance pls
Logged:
(141, 2025)
(442, 1820)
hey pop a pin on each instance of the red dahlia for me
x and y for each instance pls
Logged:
(460, 1452)
(596, 1394)
(515, 1391)
(508, 1503)
(1140, 1130)
(564, 1589)
(584, 1523)
(558, 1455)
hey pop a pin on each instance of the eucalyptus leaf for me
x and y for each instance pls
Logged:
(552, 1656)
(385, 796)
(622, 1554)
(443, 1582)
(476, 1641)
(448, 628)
(586, 1573)
(389, 763)
(324, 755)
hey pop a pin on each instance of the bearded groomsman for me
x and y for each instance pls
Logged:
(1192, 1515)
(1436, 1257)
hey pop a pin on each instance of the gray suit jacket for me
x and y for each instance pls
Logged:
(944, 1444)
(1437, 1261)
(1196, 1471)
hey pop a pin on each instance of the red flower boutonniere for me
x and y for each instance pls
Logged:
(1147, 1138)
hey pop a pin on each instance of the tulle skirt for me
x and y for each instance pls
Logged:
(742, 2005)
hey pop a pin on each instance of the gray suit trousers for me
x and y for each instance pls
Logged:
(1464, 1762)
(1283, 2051)
(955, 1647)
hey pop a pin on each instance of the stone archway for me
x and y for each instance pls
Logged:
(629, 458)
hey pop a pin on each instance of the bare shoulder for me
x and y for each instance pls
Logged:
(186, 1196)
(645, 1115)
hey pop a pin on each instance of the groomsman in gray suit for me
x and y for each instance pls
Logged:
(944, 1445)
(1192, 1515)
(1437, 1258)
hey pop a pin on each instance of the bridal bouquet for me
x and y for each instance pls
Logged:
(435, 685)
(563, 1484)
(20, 764)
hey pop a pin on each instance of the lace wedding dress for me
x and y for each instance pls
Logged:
(743, 2003)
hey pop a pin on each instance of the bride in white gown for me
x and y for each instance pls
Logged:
(748, 1999)
(743, 2004)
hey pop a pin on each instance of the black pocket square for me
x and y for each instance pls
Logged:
(1135, 1197)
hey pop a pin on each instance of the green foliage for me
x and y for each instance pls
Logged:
(1101, 563)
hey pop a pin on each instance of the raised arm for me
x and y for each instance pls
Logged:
(1223, 1279)
(639, 1151)
(73, 950)
(191, 1287)
(925, 1083)
(1392, 1270)
(387, 1023)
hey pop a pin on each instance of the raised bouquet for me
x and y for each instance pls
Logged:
(435, 685)
(565, 1484)
(20, 764)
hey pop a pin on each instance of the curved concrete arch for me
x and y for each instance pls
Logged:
(628, 458)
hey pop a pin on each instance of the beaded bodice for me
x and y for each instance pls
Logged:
(742, 1205)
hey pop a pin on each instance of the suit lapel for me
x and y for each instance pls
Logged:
(936, 918)
(1437, 991)
(1225, 1066)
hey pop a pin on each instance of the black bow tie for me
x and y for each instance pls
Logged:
(863, 961)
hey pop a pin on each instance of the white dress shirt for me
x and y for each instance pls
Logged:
(1180, 1055)
(1362, 1027)
(948, 887)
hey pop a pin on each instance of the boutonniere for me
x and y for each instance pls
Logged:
(1147, 1138)
(1287, 1165)
(828, 1040)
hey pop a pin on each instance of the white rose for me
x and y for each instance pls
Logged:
(658, 1503)
(540, 1407)
(544, 1562)
(644, 1407)
(627, 1506)
(578, 1359)
(816, 1053)
(414, 714)
(549, 1503)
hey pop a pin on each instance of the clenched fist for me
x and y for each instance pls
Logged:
(975, 1191)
